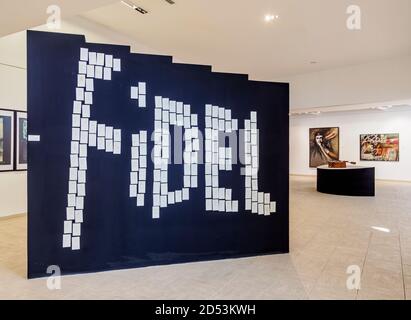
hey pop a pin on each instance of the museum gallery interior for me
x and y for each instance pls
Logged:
(206, 150)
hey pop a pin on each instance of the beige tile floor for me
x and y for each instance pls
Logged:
(328, 234)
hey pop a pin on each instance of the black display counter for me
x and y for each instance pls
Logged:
(351, 181)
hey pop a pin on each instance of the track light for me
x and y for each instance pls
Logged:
(134, 7)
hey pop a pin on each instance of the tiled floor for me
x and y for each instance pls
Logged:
(328, 234)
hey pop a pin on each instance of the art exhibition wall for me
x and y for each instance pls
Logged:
(105, 115)
(351, 125)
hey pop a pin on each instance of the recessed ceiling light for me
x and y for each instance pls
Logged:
(271, 17)
(382, 229)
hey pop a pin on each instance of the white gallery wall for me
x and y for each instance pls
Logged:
(373, 82)
(351, 125)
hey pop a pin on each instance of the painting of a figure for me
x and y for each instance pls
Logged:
(380, 147)
(324, 146)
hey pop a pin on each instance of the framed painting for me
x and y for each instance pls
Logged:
(21, 141)
(6, 140)
(324, 146)
(380, 147)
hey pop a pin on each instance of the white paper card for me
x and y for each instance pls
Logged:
(86, 111)
(84, 124)
(109, 61)
(100, 59)
(71, 200)
(101, 143)
(133, 191)
(209, 205)
(79, 94)
(76, 120)
(66, 241)
(68, 226)
(134, 93)
(73, 161)
(70, 213)
(73, 176)
(186, 194)
(81, 176)
(76, 134)
(107, 74)
(75, 243)
(90, 71)
(84, 137)
(133, 178)
(109, 132)
(81, 80)
(92, 59)
(83, 163)
(141, 101)
(84, 54)
(117, 135)
(117, 147)
(88, 97)
(82, 67)
(156, 212)
(101, 130)
(178, 196)
(142, 87)
(92, 140)
(163, 202)
(142, 187)
(79, 203)
(273, 207)
(89, 85)
(116, 65)
(109, 145)
(72, 187)
(140, 200)
(79, 216)
(81, 189)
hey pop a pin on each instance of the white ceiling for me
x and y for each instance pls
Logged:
(19, 15)
(232, 36)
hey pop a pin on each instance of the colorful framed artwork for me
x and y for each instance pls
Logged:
(380, 147)
(324, 146)
(21, 141)
(6, 140)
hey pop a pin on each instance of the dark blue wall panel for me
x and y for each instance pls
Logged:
(115, 232)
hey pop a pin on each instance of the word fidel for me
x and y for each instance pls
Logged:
(208, 149)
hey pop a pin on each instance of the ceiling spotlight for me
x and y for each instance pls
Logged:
(271, 17)
(134, 7)
(382, 229)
